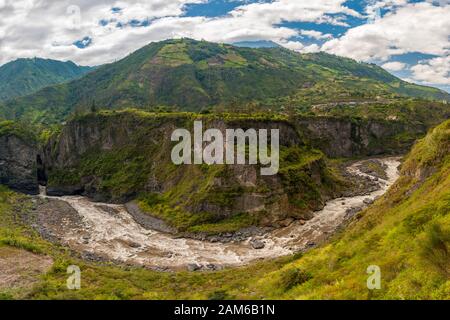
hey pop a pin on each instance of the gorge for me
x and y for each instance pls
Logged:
(87, 179)
(248, 225)
(108, 232)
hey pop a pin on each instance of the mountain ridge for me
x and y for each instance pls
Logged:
(193, 75)
(28, 75)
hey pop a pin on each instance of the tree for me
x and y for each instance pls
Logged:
(93, 107)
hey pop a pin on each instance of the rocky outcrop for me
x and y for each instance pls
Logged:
(340, 137)
(123, 156)
(117, 157)
(18, 169)
(146, 220)
(336, 137)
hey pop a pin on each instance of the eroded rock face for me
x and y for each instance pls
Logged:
(120, 156)
(354, 138)
(89, 155)
(18, 168)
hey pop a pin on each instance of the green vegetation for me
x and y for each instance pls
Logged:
(107, 281)
(173, 55)
(25, 76)
(293, 277)
(304, 191)
(412, 111)
(20, 130)
(132, 162)
(405, 233)
(193, 75)
(13, 233)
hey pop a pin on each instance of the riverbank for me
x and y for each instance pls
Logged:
(109, 232)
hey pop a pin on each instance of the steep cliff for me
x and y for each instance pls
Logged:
(346, 137)
(18, 154)
(126, 155)
(123, 156)
(406, 234)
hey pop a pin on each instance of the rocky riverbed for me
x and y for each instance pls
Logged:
(109, 232)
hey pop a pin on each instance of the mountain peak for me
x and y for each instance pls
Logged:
(192, 75)
(40, 60)
(27, 75)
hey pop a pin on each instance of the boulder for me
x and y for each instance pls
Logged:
(18, 169)
(257, 244)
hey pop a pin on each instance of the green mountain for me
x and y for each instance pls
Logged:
(194, 75)
(25, 76)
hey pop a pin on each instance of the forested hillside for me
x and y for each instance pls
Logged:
(193, 75)
(25, 76)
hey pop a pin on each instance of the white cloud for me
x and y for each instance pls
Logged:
(394, 66)
(44, 28)
(373, 10)
(419, 27)
(311, 48)
(433, 71)
(315, 34)
(288, 10)
(292, 45)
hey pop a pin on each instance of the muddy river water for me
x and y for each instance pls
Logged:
(110, 232)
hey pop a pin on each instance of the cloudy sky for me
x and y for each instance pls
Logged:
(410, 38)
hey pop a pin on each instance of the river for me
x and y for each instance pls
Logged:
(110, 232)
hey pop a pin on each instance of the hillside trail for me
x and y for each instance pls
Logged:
(108, 231)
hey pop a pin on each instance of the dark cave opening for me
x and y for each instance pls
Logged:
(41, 174)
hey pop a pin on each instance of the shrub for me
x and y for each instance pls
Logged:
(6, 296)
(219, 295)
(293, 277)
(435, 249)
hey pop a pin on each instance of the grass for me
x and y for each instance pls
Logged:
(174, 55)
(192, 75)
(298, 165)
(405, 233)
(231, 224)
(109, 281)
(196, 186)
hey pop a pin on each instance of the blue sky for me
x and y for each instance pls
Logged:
(409, 38)
(218, 8)
(213, 8)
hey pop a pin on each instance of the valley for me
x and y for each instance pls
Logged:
(108, 232)
(201, 76)
(414, 210)
(87, 179)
